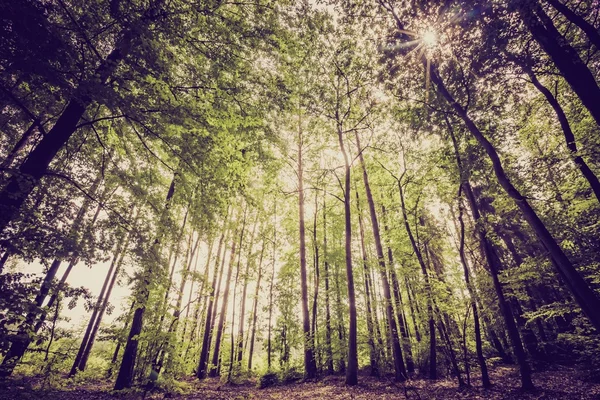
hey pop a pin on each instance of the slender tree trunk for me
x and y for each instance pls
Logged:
(399, 368)
(21, 343)
(232, 344)
(485, 379)
(115, 356)
(214, 368)
(209, 323)
(370, 327)
(328, 349)
(86, 337)
(313, 331)
(340, 322)
(4, 259)
(269, 348)
(352, 370)
(90, 344)
(255, 306)
(240, 341)
(413, 313)
(410, 366)
(310, 367)
(430, 316)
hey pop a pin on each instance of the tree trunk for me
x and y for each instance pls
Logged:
(310, 367)
(485, 379)
(589, 29)
(214, 368)
(255, 307)
(352, 370)
(21, 343)
(328, 349)
(125, 375)
(240, 342)
(410, 366)
(110, 278)
(430, 316)
(313, 329)
(340, 321)
(399, 368)
(209, 323)
(370, 326)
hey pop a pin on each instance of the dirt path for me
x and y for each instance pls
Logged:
(558, 384)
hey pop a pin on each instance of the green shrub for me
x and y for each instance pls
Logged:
(267, 380)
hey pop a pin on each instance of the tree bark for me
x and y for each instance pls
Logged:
(240, 341)
(214, 368)
(328, 349)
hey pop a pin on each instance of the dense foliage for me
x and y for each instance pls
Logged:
(298, 189)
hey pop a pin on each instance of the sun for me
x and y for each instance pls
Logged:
(429, 38)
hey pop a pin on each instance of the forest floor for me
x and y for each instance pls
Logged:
(561, 383)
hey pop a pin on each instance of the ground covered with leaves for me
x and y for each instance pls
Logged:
(562, 383)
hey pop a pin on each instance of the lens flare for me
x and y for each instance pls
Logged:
(429, 38)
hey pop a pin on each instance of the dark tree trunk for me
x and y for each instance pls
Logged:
(485, 379)
(20, 344)
(313, 328)
(430, 316)
(4, 259)
(20, 185)
(90, 344)
(110, 278)
(240, 339)
(269, 347)
(410, 366)
(340, 322)
(125, 375)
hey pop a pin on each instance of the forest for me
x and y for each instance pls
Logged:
(266, 199)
